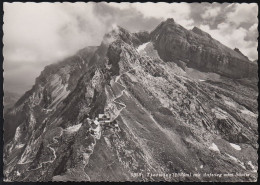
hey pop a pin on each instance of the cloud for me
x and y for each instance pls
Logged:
(211, 13)
(160, 11)
(179, 11)
(38, 29)
(244, 13)
(125, 15)
(238, 27)
(37, 34)
(234, 38)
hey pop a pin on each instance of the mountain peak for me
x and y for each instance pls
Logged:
(118, 32)
(173, 42)
(168, 27)
(112, 34)
(200, 32)
(116, 29)
(239, 52)
(169, 20)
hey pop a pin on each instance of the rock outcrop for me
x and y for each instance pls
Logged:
(238, 51)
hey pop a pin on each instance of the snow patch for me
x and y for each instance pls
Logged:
(252, 166)
(233, 158)
(73, 128)
(117, 78)
(19, 145)
(247, 112)
(237, 147)
(214, 147)
(230, 103)
(237, 161)
(202, 80)
(142, 47)
(17, 133)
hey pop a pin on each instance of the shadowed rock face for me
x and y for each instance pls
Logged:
(167, 117)
(199, 50)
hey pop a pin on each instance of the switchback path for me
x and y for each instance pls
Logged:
(53, 151)
(122, 92)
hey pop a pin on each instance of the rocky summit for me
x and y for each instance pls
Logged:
(169, 105)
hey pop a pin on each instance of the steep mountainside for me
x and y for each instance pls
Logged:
(166, 116)
(51, 87)
(199, 50)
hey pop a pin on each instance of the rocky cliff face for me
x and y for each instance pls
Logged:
(166, 116)
(199, 50)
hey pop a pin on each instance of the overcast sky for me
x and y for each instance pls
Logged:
(37, 34)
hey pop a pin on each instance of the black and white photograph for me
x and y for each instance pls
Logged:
(137, 92)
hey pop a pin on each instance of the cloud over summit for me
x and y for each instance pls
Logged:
(37, 34)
